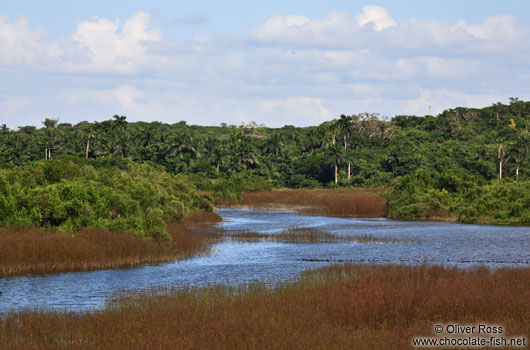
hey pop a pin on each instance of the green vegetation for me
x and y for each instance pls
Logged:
(472, 155)
(426, 195)
(113, 194)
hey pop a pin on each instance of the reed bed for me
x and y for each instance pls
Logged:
(359, 202)
(34, 250)
(201, 218)
(337, 307)
(314, 235)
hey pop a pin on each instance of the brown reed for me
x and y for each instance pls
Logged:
(337, 307)
(356, 202)
(34, 250)
(201, 218)
(314, 235)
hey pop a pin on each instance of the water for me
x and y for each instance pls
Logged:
(230, 262)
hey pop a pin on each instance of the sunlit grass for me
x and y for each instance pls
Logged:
(337, 307)
(328, 202)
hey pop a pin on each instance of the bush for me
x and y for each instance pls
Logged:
(424, 195)
(66, 195)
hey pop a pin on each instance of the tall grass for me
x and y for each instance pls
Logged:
(35, 250)
(328, 202)
(201, 218)
(338, 307)
(313, 235)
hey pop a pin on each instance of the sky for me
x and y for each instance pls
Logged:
(276, 62)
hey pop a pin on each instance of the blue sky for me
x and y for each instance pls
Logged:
(275, 62)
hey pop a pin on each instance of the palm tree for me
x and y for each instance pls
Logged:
(520, 148)
(219, 155)
(312, 139)
(498, 108)
(273, 145)
(500, 156)
(346, 126)
(119, 128)
(335, 157)
(50, 123)
(517, 105)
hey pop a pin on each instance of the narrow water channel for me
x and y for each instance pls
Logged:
(231, 262)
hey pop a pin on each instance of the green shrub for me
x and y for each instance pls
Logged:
(66, 195)
(422, 195)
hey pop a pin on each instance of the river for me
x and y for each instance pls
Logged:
(232, 262)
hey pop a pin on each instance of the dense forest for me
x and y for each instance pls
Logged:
(458, 164)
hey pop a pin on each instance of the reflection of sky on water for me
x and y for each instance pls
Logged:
(232, 262)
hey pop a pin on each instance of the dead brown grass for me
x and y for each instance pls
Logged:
(337, 307)
(34, 250)
(202, 218)
(357, 202)
(313, 235)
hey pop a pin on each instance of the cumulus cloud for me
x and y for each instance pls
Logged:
(98, 45)
(22, 46)
(377, 15)
(336, 29)
(291, 69)
(108, 48)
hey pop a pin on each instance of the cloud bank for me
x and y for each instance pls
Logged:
(291, 69)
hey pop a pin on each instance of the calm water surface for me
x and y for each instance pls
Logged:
(441, 243)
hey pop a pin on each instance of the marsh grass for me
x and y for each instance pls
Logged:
(328, 202)
(201, 218)
(34, 250)
(337, 307)
(313, 235)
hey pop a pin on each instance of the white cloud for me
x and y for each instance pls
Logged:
(441, 99)
(292, 69)
(334, 29)
(108, 49)
(377, 15)
(126, 95)
(98, 45)
(22, 46)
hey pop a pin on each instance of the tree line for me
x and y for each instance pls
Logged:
(351, 150)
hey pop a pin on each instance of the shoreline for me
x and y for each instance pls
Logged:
(340, 306)
(190, 242)
(35, 251)
(299, 209)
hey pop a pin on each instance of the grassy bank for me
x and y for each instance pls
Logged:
(35, 250)
(358, 202)
(337, 307)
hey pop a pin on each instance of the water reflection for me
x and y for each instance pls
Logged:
(232, 262)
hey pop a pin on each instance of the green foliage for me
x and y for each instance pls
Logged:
(459, 150)
(69, 194)
(423, 195)
(233, 186)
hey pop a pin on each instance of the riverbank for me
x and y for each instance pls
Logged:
(37, 251)
(340, 307)
(459, 197)
(503, 203)
(353, 202)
